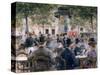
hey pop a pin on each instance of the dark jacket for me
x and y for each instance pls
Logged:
(69, 58)
(42, 39)
(30, 42)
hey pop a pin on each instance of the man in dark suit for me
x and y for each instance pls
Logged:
(68, 56)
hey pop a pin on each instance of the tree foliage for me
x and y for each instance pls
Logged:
(39, 13)
(42, 13)
(81, 14)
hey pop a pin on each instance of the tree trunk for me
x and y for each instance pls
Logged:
(43, 28)
(92, 23)
(27, 28)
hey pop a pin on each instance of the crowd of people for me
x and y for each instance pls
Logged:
(62, 51)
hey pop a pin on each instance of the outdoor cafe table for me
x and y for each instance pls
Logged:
(81, 58)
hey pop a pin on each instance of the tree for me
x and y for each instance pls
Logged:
(88, 13)
(23, 10)
(79, 15)
(35, 10)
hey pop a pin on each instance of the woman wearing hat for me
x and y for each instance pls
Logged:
(91, 54)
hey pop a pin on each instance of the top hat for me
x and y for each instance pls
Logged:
(69, 42)
(92, 42)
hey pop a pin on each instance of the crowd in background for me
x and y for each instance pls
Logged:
(63, 50)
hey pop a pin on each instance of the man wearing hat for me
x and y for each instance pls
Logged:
(68, 56)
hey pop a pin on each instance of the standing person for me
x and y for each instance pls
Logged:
(65, 40)
(41, 38)
(68, 56)
(58, 37)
